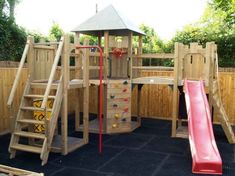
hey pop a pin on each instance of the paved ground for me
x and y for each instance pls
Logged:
(148, 151)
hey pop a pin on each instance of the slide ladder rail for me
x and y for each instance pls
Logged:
(218, 105)
(205, 155)
(18, 74)
(52, 74)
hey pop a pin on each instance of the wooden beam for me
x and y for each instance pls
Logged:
(175, 104)
(19, 70)
(130, 38)
(64, 119)
(44, 47)
(153, 68)
(53, 71)
(85, 59)
(106, 52)
(155, 56)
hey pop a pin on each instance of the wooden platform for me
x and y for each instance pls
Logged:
(73, 84)
(94, 127)
(154, 80)
(11, 171)
(73, 144)
(96, 82)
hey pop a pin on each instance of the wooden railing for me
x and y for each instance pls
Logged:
(52, 74)
(155, 56)
(18, 74)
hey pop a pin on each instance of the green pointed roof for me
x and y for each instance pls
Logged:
(108, 19)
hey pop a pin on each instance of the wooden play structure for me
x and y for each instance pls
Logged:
(45, 97)
(198, 63)
(50, 79)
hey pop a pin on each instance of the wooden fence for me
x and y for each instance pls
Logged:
(156, 100)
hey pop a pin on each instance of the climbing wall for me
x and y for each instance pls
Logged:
(118, 106)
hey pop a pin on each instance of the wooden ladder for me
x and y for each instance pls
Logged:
(223, 118)
(24, 125)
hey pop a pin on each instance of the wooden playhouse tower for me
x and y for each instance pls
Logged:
(45, 98)
(197, 63)
(115, 35)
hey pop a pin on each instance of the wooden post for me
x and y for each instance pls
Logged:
(78, 63)
(175, 104)
(210, 56)
(31, 58)
(107, 69)
(139, 60)
(85, 60)
(65, 72)
(130, 38)
(99, 39)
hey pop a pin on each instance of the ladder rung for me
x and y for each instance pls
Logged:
(43, 85)
(38, 96)
(30, 134)
(33, 108)
(31, 121)
(26, 148)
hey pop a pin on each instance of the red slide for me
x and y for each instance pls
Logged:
(205, 154)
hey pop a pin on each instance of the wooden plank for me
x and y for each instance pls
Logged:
(152, 68)
(43, 47)
(26, 148)
(175, 103)
(18, 74)
(86, 93)
(11, 171)
(156, 56)
(65, 79)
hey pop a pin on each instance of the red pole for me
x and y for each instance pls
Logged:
(100, 92)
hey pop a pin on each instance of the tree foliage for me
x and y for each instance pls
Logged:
(55, 32)
(12, 40)
(12, 37)
(214, 25)
(151, 42)
(227, 6)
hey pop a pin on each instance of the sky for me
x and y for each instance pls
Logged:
(165, 16)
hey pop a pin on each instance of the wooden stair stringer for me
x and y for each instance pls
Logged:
(15, 138)
(52, 123)
(223, 117)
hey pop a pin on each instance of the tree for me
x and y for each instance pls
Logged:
(2, 5)
(9, 7)
(56, 32)
(12, 37)
(213, 26)
(12, 4)
(151, 42)
(228, 6)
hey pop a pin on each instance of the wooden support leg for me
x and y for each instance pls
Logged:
(86, 114)
(77, 110)
(139, 103)
(64, 126)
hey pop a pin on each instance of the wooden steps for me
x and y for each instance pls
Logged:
(31, 121)
(38, 96)
(30, 134)
(43, 86)
(26, 148)
(29, 108)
